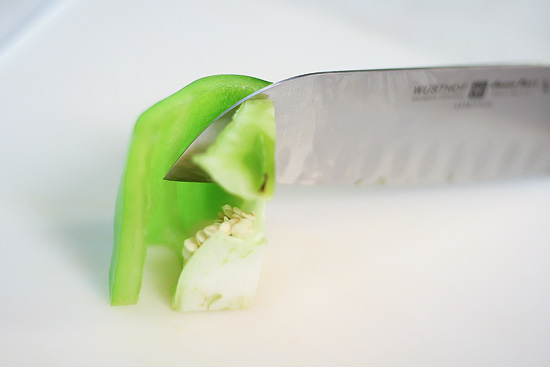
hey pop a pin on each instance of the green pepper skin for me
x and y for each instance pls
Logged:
(150, 210)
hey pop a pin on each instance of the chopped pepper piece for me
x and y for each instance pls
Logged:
(150, 210)
(222, 261)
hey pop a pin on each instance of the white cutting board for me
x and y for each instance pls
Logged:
(454, 276)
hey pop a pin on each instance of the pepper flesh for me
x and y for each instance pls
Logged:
(150, 210)
(223, 272)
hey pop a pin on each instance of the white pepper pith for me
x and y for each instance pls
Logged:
(232, 221)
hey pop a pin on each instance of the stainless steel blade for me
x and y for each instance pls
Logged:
(403, 126)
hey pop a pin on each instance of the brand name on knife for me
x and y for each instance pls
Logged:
(434, 89)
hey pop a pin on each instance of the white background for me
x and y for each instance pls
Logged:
(381, 277)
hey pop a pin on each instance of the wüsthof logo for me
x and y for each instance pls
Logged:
(433, 89)
(477, 89)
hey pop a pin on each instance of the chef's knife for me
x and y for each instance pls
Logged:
(402, 126)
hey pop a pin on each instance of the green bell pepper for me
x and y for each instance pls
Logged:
(222, 262)
(150, 210)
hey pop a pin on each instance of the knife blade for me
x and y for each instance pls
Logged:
(402, 126)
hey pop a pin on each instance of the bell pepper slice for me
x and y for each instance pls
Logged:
(150, 210)
(223, 261)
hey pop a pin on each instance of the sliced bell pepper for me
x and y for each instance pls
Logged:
(222, 262)
(150, 210)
